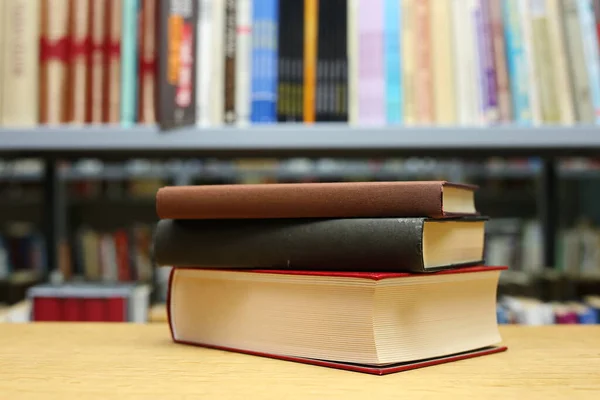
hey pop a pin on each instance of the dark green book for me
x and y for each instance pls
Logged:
(344, 244)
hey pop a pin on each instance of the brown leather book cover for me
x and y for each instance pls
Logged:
(312, 200)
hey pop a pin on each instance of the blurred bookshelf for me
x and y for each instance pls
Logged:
(508, 99)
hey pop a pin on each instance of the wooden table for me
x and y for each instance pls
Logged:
(80, 361)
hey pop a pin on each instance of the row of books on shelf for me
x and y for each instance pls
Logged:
(121, 255)
(518, 242)
(365, 62)
(532, 311)
(77, 61)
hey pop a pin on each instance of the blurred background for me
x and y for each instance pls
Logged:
(81, 157)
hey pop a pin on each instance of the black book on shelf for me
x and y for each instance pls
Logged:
(177, 36)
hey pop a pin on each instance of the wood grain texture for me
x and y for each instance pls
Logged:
(127, 361)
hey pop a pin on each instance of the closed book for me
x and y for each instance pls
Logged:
(176, 68)
(20, 67)
(435, 199)
(358, 244)
(373, 323)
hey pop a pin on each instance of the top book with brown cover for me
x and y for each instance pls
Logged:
(433, 199)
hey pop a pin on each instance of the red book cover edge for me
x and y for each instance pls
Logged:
(354, 274)
(374, 370)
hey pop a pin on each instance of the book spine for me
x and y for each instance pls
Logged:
(112, 62)
(564, 87)
(243, 62)
(408, 44)
(54, 56)
(272, 55)
(543, 62)
(591, 53)
(230, 52)
(341, 66)
(311, 34)
(257, 59)
(393, 90)
(352, 44)
(176, 63)
(423, 57)
(463, 66)
(489, 67)
(371, 107)
(78, 79)
(499, 51)
(338, 244)
(217, 78)
(480, 73)
(97, 70)
(597, 16)
(19, 78)
(147, 64)
(204, 64)
(527, 40)
(129, 63)
(443, 53)
(517, 64)
(577, 64)
(472, 54)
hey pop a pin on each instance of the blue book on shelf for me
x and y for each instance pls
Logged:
(129, 62)
(264, 61)
(272, 54)
(517, 63)
(392, 51)
(590, 49)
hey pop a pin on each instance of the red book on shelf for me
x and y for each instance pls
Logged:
(55, 44)
(376, 323)
(115, 309)
(47, 309)
(122, 249)
(72, 309)
(94, 309)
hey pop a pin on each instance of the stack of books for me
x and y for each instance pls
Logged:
(376, 277)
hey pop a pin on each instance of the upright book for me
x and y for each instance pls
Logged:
(176, 71)
(435, 199)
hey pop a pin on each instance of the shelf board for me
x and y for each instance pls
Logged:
(329, 139)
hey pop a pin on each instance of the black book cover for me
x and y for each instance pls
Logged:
(177, 22)
(344, 244)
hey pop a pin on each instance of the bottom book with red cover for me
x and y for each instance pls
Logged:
(376, 323)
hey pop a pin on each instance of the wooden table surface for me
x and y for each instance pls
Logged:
(124, 361)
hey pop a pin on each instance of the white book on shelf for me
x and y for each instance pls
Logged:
(527, 37)
(217, 78)
(243, 61)
(463, 66)
(204, 64)
(558, 49)
(352, 44)
(476, 116)
(20, 81)
(590, 52)
(443, 54)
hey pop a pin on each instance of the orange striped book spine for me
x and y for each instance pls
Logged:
(311, 23)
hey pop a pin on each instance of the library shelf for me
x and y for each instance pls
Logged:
(329, 139)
